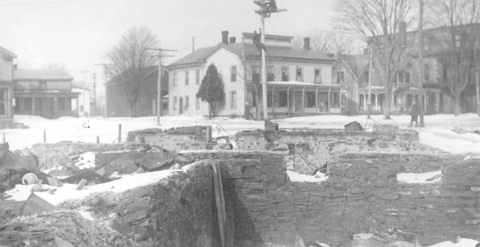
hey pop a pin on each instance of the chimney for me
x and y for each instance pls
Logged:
(232, 40)
(225, 37)
(15, 66)
(365, 51)
(306, 43)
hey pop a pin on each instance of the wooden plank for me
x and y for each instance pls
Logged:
(220, 200)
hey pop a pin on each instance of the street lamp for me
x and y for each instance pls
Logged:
(267, 8)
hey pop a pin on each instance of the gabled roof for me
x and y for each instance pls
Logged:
(250, 51)
(7, 52)
(357, 64)
(41, 75)
(145, 72)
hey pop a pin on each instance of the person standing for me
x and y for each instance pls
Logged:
(414, 112)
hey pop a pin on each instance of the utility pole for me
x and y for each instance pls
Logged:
(265, 12)
(84, 92)
(159, 80)
(420, 58)
(105, 70)
(94, 110)
(370, 78)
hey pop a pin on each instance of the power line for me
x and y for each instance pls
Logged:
(46, 3)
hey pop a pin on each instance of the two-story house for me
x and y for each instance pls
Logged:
(45, 93)
(6, 86)
(299, 80)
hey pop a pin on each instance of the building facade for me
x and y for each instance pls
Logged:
(45, 93)
(6, 86)
(299, 81)
(352, 71)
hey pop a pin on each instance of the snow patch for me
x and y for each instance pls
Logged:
(69, 192)
(297, 177)
(420, 178)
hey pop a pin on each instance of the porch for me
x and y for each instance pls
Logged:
(291, 99)
(46, 104)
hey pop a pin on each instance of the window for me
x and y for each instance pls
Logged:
(187, 103)
(187, 78)
(457, 40)
(255, 74)
(61, 104)
(401, 76)
(283, 101)
(174, 105)
(336, 100)
(318, 76)
(174, 79)
(233, 100)
(197, 104)
(43, 85)
(270, 73)
(407, 77)
(426, 72)
(367, 75)
(310, 98)
(197, 77)
(299, 74)
(233, 73)
(340, 77)
(285, 74)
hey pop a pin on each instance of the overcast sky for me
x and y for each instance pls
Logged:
(77, 33)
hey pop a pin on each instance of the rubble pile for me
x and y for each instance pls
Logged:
(60, 228)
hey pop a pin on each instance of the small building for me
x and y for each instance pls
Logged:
(45, 93)
(116, 101)
(6, 87)
(84, 101)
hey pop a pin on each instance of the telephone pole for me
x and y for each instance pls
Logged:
(84, 92)
(370, 78)
(105, 70)
(420, 58)
(159, 79)
(94, 106)
(265, 12)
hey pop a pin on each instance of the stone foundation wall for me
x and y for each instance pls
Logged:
(362, 194)
(176, 211)
(175, 139)
(308, 150)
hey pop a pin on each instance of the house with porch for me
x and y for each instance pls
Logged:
(45, 93)
(299, 81)
(6, 87)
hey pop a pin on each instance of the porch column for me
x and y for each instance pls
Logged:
(288, 100)
(376, 101)
(78, 107)
(303, 100)
(33, 105)
(273, 100)
(316, 100)
(364, 102)
(328, 100)
(55, 108)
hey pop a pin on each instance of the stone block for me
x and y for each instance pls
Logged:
(35, 205)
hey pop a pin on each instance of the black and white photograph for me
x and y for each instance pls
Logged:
(240, 123)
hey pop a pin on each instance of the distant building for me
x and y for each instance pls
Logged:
(117, 103)
(45, 93)
(6, 87)
(84, 101)
(299, 80)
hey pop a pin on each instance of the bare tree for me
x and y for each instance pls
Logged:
(327, 42)
(377, 22)
(54, 66)
(130, 57)
(460, 42)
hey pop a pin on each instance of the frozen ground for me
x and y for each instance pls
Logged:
(437, 133)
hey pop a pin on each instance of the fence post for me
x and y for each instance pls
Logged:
(44, 136)
(3, 137)
(119, 133)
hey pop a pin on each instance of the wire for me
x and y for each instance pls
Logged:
(48, 2)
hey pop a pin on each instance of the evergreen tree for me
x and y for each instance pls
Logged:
(211, 90)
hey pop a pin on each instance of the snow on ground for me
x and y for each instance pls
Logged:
(420, 178)
(297, 177)
(437, 133)
(69, 191)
